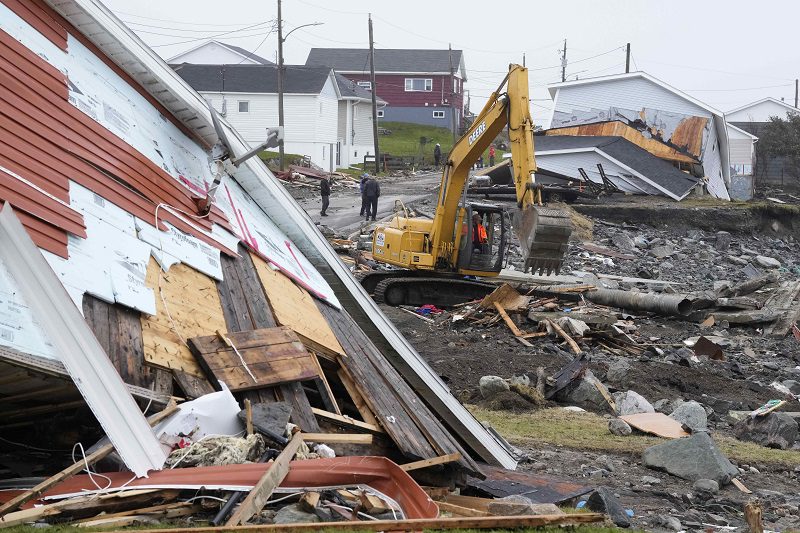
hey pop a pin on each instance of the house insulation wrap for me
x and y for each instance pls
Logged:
(106, 155)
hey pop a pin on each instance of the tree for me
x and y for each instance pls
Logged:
(781, 138)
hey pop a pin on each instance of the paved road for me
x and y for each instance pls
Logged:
(345, 204)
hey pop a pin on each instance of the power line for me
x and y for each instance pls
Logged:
(746, 89)
(171, 21)
(187, 30)
(210, 36)
(718, 71)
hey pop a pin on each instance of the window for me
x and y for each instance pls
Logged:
(365, 85)
(455, 85)
(244, 106)
(380, 113)
(438, 114)
(419, 84)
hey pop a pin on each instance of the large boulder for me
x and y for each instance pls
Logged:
(631, 403)
(692, 415)
(603, 500)
(619, 427)
(492, 385)
(691, 458)
(585, 393)
(617, 373)
(775, 430)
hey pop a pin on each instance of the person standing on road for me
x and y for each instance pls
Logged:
(362, 183)
(437, 155)
(372, 191)
(325, 191)
(491, 156)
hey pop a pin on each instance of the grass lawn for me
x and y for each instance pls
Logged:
(404, 140)
(588, 431)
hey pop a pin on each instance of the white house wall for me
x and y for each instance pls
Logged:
(211, 54)
(761, 112)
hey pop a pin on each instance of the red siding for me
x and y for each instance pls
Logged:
(48, 141)
(41, 17)
(391, 87)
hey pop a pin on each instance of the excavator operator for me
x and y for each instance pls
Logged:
(479, 237)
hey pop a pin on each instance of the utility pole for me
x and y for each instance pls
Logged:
(796, 91)
(454, 119)
(628, 58)
(374, 98)
(280, 83)
(564, 62)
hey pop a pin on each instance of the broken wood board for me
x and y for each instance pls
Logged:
(346, 421)
(294, 307)
(507, 296)
(657, 424)
(339, 438)
(192, 309)
(425, 463)
(602, 250)
(254, 359)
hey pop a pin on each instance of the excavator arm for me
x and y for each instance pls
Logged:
(511, 108)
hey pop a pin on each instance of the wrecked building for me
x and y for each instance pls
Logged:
(694, 133)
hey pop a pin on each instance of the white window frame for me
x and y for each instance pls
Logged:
(365, 85)
(246, 105)
(438, 113)
(427, 84)
(380, 113)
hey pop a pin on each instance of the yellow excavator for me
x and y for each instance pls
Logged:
(438, 259)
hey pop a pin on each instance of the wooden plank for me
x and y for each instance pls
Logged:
(319, 349)
(460, 511)
(425, 463)
(324, 388)
(572, 344)
(507, 319)
(248, 409)
(73, 469)
(153, 509)
(346, 421)
(355, 396)
(419, 524)
(191, 385)
(471, 502)
(302, 415)
(293, 306)
(192, 309)
(339, 438)
(263, 489)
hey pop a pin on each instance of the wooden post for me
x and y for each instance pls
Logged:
(262, 490)
(248, 409)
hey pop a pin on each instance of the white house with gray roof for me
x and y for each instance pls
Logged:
(327, 117)
(218, 53)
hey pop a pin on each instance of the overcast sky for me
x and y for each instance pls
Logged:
(725, 53)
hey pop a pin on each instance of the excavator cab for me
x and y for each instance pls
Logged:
(482, 247)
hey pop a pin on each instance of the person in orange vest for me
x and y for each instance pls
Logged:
(479, 237)
(491, 156)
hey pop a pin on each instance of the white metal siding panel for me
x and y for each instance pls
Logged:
(633, 93)
(759, 112)
(568, 164)
(741, 151)
(327, 120)
(712, 166)
(362, 123)
(341, 128)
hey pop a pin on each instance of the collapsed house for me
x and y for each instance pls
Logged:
(139, 264)
(647, 112)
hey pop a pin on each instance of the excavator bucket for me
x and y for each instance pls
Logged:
(543, 234)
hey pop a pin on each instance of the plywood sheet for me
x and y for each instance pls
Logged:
(193, 303)
(271, 355)
(656, 423)
(293, 306)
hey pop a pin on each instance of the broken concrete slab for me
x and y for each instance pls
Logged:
(775, 430)
(691, 458)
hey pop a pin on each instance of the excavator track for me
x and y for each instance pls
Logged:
(439, 291)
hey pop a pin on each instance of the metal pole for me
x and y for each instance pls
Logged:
(628, 58)
(564, 63)
(796, 87)
(374, 97)
(280, 83)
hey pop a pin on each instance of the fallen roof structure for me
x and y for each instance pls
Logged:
(632, 168)
(114, 209)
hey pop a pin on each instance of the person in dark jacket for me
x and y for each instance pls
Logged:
(325, 191)
(437, 155)
(364, 180)
(372, 191)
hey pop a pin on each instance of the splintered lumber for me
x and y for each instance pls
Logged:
(73, 469)
(339, 438)
(167, 510)
(309, 501)
(418, 524)
(507, 296)
(564, 335)
(425, 463)
(357, 398)
(262, 490)
(345, 421)
(507, 319)
(248, 409)
(460, 511)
